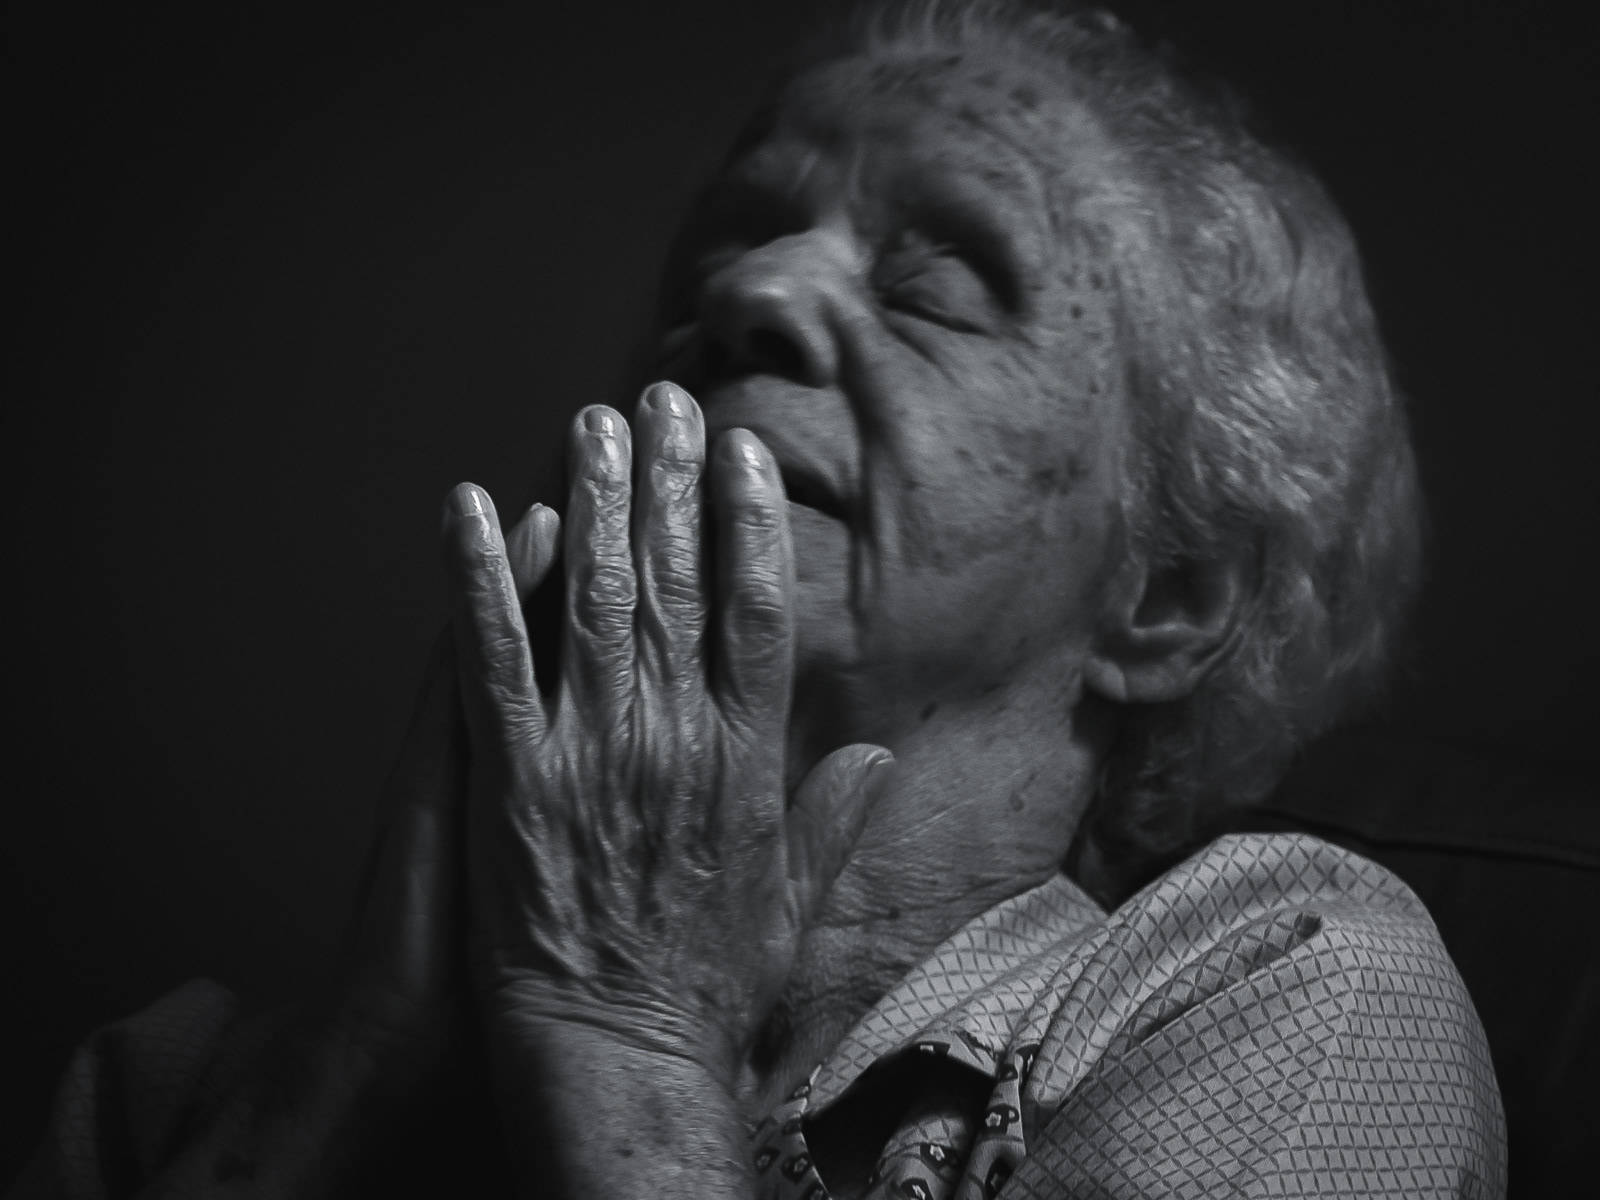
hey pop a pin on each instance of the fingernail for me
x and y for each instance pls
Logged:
(466, 500)
(600, 421)
(668, 398)
(750, 454)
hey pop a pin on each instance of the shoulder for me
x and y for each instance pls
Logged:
(1284, 908)
(1273, 1004)
(1279, 928)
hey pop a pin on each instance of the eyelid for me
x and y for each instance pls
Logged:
(993, 265)
(894, 288)
(960, 229)
(992, 268)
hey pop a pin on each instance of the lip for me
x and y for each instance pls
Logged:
(815, 475)
(806, 481)
(810, 490)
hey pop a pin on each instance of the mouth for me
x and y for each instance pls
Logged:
(809, 489)
(814, 452)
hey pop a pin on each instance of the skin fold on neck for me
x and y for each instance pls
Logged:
(987, 793)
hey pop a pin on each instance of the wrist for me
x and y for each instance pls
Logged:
(598, 1107)
(641, 1029)
(535, 1010)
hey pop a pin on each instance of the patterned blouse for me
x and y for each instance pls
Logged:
(1273, 1017)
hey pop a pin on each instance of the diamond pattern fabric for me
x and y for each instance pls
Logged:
(1274, 1017)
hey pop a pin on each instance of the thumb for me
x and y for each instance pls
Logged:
(828, 813)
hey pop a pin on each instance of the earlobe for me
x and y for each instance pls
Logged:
(1165, 628)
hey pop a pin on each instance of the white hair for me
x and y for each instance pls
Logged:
(1266, 419)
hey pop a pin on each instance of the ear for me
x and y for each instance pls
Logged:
(1164, 628)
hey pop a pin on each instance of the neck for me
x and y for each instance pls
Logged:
(987, 791)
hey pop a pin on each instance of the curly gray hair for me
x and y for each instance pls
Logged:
(1265, 417)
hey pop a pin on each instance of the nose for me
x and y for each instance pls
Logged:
(775, 309)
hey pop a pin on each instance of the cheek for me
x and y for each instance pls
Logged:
(983, 514)
(1007, 455)
(1006, 471)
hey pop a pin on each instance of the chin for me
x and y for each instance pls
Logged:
(821, 566)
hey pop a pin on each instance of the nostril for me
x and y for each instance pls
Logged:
(774, 352)
(715, 362)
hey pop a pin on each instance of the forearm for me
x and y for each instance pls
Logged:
(305, 1119)
(587, 1112)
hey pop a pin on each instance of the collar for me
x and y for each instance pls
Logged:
(968, 999)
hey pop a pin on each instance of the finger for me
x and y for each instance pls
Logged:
(415, 802)
(498, 689)
(670, 453)
(826, 818)
(398, 944)
(531, 548)
(755, 586)
(597, 654)
(430, 752)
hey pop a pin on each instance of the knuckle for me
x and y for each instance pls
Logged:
(675, 481)
(500, 651)
(759, 522)
(759, 621)
(604, 492)
(604, 581)
(476, 564)
(511, 702)
(602, 619)
(478, 556)
(758, 590)
(677, 589)
(673, 555)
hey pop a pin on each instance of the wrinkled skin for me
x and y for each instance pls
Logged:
(634, 862)
(878, 310)
(881, 286)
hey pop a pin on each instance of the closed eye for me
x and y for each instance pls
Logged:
(936, 283)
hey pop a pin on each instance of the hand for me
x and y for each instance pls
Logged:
(398, 993)
(362, 1067)
(634, 866)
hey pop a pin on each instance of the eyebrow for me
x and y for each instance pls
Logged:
(750, 181)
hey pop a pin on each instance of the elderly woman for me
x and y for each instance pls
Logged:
(1031, 440)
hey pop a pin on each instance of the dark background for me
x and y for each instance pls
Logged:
(286, 276)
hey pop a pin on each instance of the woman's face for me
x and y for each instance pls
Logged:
(883, 285)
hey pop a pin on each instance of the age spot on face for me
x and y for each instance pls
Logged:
(1060, 479)
(969, 115)
(978, 446)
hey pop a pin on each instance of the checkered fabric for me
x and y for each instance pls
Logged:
(1274, 1017)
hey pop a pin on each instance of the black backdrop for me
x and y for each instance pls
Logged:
(285, 276)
